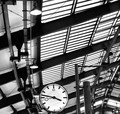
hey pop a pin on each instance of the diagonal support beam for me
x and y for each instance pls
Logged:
(49, 27)
(4, 97)
(105, 57)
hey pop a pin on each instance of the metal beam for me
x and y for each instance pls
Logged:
(77, 89)
(87, 97)
(49, 27)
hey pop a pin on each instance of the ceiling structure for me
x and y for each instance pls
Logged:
(68, 32)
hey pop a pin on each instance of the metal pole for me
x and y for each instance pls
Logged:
(87, 97)
(77, 89)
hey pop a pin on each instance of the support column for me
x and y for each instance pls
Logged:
(77, 89)
(87, 97)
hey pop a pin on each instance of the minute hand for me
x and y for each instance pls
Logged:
(52, 97)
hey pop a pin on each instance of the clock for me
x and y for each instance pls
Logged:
(53, 97)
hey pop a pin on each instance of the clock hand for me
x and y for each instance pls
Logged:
(52, 97)
(56, 98)
(47, 95)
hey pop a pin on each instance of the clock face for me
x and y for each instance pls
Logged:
(54, 97)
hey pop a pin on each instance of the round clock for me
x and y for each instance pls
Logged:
(53, 97)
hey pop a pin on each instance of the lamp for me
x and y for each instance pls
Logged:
(36, 10)
(34, 65)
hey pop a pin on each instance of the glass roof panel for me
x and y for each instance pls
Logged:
(50, 2)
(98, 103)
(83, 5)
(70, 87)
(10, 88)
(93, 59)
(54, 33)
(71, 102)
(76, 46)
(19, 106)
(115, 92)
(86, 23)
(16, 16)
(113, 103)
(52, 44)
(6, 110)
(109, 16)
(51, 74)
(107, 23)
(54, 9)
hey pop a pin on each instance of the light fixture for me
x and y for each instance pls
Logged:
(34, 64)
(36, 10)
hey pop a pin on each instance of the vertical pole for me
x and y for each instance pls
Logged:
(77, 89)
(87, 97)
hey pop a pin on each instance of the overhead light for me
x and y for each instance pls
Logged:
(36, 10)
(34, 64)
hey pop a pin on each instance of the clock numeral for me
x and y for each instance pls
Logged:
(63, 92)
(59, 87)
(53, 88)
(43, 103)
(48, 107)
(43, 91)
(42, 97)
(65, 97)
(47, 87)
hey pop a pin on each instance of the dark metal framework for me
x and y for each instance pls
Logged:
(67, 33)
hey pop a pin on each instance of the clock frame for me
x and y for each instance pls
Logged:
(53, 97)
